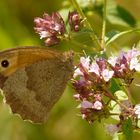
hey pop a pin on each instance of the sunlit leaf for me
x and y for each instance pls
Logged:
(121, 95)
(119, 35)
(115, 109)
(117, 15)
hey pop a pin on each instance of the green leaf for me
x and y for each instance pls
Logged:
(117, 15)
(138, 124)
(121, 95)
(118, 136)
(110, 34)
(114, 86)
(115, 108)
(126, 16)
(132, 7)
(127, 129)
(119, 35)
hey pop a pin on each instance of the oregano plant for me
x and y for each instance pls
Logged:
(101, 80)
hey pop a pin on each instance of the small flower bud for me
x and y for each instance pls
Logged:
(74, 21)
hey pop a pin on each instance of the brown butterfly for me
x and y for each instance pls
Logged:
(33, 79)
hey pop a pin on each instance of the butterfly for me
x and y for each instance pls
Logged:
(33, 80)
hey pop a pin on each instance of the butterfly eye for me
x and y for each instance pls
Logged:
(5, 63)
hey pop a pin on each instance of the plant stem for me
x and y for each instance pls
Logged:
(93, 36)
(114, 114)
(104, 26)
(129, 95)
(108, 94)
(122, 105)
(126, 89)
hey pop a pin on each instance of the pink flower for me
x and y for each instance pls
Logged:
(82, 88)
(44, 34)
(76, 96)
(112, 129)
(107, 75)
(86, 104)
(94, 68)
(85, 62)
(112, 61)
(134, 64)
(98, 105)
(98, 97)
(77, 72)
(131, 54)
(132, 60)
(102, 72)
(125, 64)
(102, 63)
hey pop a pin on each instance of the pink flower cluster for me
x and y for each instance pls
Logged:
(89, 80)
(125, 65)
(52, 27)
(92, 80)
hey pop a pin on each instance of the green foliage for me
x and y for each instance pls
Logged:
(114, 35)
(16, 29)
(127, 129)
(121, 95)
(126, 16)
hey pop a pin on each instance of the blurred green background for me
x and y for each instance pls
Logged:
(16, 29)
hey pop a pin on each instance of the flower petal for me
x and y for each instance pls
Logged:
(86, 104)
(107, 75)
(85, 62)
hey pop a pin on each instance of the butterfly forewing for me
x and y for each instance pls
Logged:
(32, 89)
